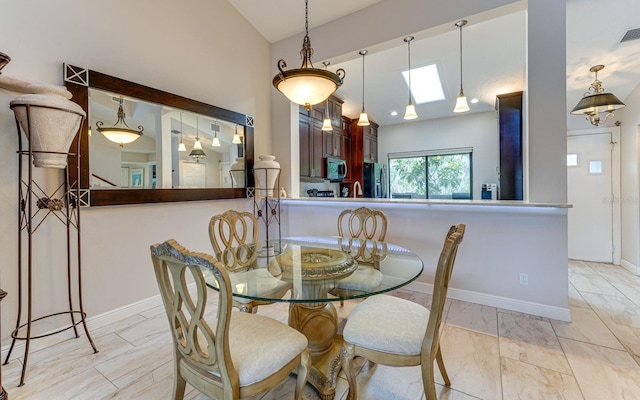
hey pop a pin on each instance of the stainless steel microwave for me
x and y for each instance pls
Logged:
(336, 169)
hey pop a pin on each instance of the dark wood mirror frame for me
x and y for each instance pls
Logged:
(78, 81)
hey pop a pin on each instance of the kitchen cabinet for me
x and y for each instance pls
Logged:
(345, 137)
(316, 144)
(311, 147)
(509, 107)
(364, 147)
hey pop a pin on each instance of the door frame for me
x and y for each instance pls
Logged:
(616, 222)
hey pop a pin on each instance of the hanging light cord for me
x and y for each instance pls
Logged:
(363, 54)
(409, 47)
(461, 25)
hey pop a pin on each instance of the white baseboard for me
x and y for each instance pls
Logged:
(93, 323)
(634, 269)
(542, 310)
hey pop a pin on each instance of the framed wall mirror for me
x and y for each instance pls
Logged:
(173, 156)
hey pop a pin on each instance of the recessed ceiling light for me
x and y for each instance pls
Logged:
(474, 100)
(426, 84)
(394, 113)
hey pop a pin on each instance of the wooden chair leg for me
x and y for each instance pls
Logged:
(428, 381)
(303, 374)
(341, 303)
(179, 383)
(346, 355)
(443, 371)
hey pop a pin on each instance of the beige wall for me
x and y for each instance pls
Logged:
(203, 50)
(629, 174)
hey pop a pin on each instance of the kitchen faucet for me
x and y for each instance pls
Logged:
(359, 189)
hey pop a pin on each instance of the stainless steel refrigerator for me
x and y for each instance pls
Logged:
(375, 180)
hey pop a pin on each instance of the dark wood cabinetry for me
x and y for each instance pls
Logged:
(509, 107)
(364, 148)
(311, 147)
(316, 144)
(347, 146)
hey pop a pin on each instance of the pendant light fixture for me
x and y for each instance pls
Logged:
(181, 146)
(592, 104)
(364, 118)
(215, 128)
(197, 153)
(461, 101)
(236, 137)
(197, 145)
(307, 85)
(326, 124)
(120, 132)
(410, 112)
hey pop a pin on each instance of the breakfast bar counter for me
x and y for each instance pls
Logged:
(514, 254)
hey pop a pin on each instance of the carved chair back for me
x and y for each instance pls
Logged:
(195, 343)
(232, 234)
(363, 223)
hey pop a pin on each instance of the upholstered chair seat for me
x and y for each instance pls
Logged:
(260, 346)
(387, 324)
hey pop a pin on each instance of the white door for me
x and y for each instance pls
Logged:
(593, 188)
(192, 174)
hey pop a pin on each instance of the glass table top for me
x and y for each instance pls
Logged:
(317, 269)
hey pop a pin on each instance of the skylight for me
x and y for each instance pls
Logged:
(426, 84)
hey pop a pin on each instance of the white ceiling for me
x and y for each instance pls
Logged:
(494, 63)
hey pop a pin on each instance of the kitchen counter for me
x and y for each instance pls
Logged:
(506, 242)
(428, 203)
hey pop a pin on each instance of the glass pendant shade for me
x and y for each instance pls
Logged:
(596, 102)
(216, 141)
(307, 85)
(197, 145)
(461, 101)
(236, 137)
(461, 104)
(410, 112)
(120, 132)
(215, 128)
(364, 118)
(326, 124)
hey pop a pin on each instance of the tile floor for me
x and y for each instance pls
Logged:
(490, 353)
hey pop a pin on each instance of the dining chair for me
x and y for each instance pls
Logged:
(366, 224)
(235, 355)
(363, 223)
(392, 331)
(232, 236)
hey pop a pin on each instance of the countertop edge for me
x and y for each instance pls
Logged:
(418, 202)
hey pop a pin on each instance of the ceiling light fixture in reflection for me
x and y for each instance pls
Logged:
(120, 132)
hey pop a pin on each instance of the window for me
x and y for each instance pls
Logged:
(443, 174)
(427, 85)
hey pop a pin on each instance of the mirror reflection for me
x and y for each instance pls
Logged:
(176, 148)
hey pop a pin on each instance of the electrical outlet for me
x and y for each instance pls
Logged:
(524, 279)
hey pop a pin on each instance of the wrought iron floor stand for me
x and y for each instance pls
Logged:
(35, 205)
(266, 208)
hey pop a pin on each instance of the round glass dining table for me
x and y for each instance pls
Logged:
(311, 273)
